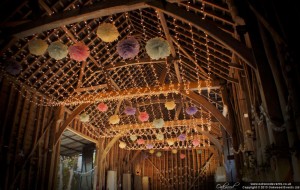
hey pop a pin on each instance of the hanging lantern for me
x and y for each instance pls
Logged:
(130, 111)
(140, 141)
(160, 136)
(79, 51)
(151, 151)
(158, 154)
(102, 107)
(174, 151)
(170, 105)
(114, 119)
(133, 138)
(128, 48)
(108, 32)
(182, 137)
(84, 118)
(158, 48)
(57, 50)
(182, 156)
(122, 144)
(196, 142)
(149, 146)
(191, 110)
(143, 116)
(170, 142)
(37, 47)
(158, 123)
(13, 67)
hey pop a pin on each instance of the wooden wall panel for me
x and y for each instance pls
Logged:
(25, 135)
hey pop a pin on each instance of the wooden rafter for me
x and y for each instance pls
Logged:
(96, 10)
(137, 92)
(208, 27)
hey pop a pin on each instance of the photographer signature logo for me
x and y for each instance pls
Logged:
(227, 186)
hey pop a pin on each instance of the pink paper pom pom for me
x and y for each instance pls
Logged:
(149, 146)
(191, 110)
(182, 137)
(128, 48)
(79, 52)
(140, 141)
(130, 111)
(196, 142)
(182, 156)
(143, 116)
(102, 107)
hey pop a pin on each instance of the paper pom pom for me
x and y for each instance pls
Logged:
(37, 47)
(182, 137)
(174, 151)
(102, 107)
(160, 136)
(157, 48)
(133, 138)
(128, 48)
(158, 123)
(166, 148)
(151, 151)
(129, 111)
(149, 146)
(199, 151)
(84, 118)
(13, 67)
(108, 32)
(158, 154)
(191, 110)
(182, 156)
(170, 105)
(79, 51)
(114, 119)
(57, 50)
(196, 142)
(140, 141)
(143, 116)
(122, 144)
(170, 142)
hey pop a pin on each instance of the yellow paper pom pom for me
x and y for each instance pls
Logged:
(114, 119)
(37, 47)
(170, 105)
(108, 32)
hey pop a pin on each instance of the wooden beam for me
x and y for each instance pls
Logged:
(166, 31)
(137, 62)
(148, 125)
(236, 66)
(83, 135)
(163, 76)
(136, 92)
(69, 120)
(100, 86)
(97, 10)
(201, 101)
(177, 71)
(83, 65)
(208, 27)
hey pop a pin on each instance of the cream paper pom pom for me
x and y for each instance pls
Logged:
(84, 118)
(108, 32)
(158, 48)
(57, 50)
(122, 145)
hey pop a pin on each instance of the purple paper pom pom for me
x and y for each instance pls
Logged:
(149, 146)
(182, 137)
(13, 67)
(191, 110)
(128, 48)
(130, 110)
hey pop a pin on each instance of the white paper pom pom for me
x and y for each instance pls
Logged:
(122, 145)
(158, 48)
(158, 123)
(133, 137)
(84, 118)
(57, 50)
(160, 136)
(107, 32)
(37, 47)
